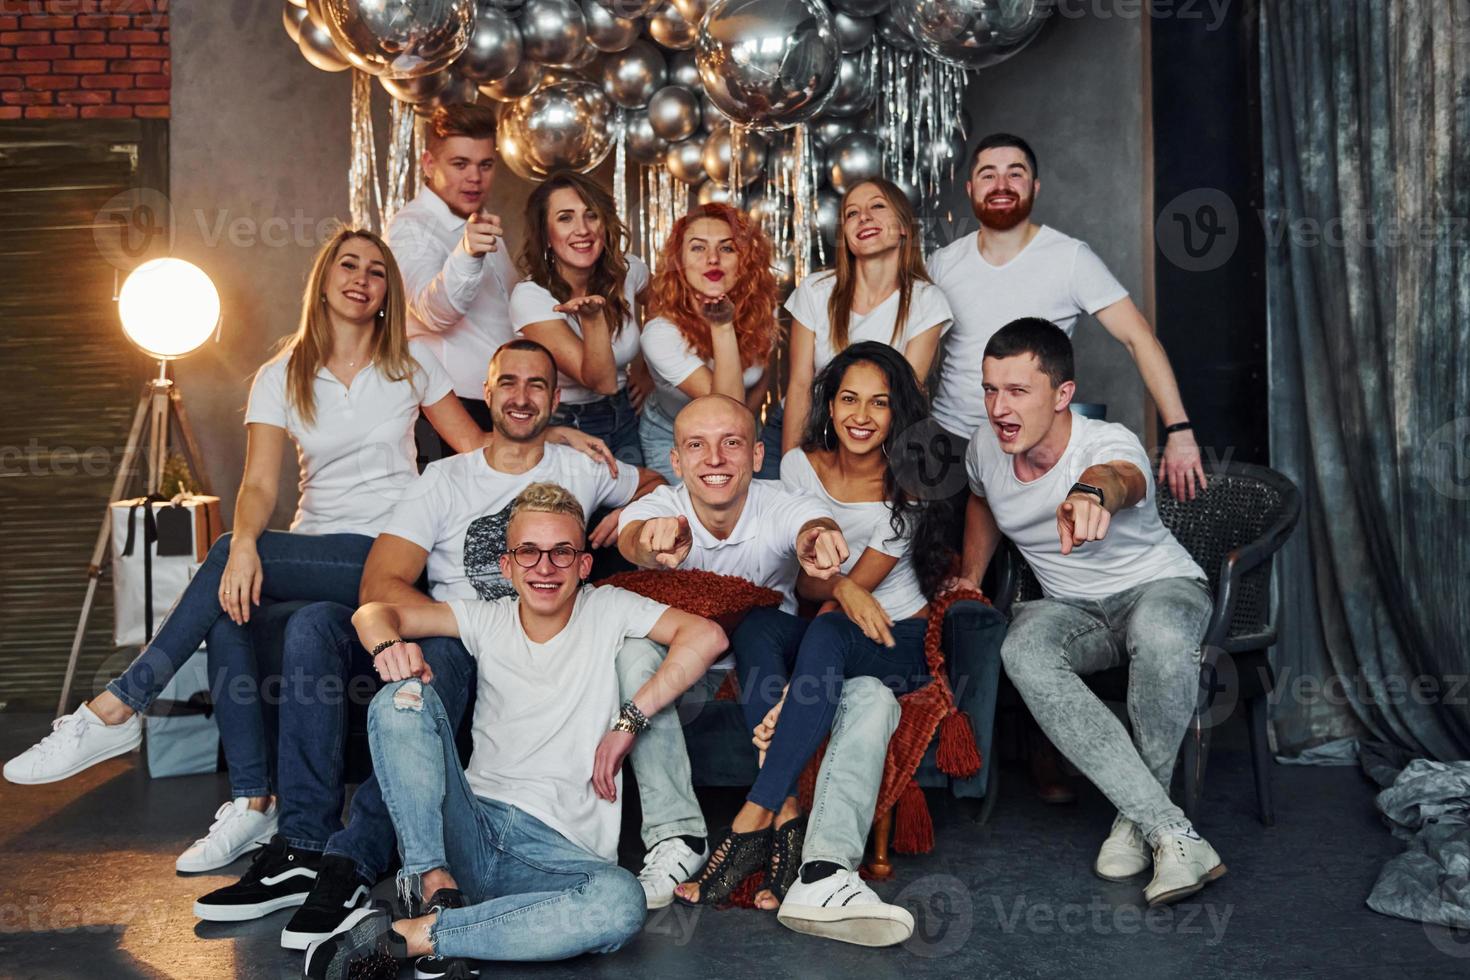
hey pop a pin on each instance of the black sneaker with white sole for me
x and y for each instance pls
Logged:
(336, 893)
(448, 967)
(279, 877)
(363, 947)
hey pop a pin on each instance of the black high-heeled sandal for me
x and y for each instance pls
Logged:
(733, 860)
(784, 863)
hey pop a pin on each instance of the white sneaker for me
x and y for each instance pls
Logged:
(1124, 854)
(1183, 864)
(236, 830)
(76, 741)
(670, 863)
(844, 908)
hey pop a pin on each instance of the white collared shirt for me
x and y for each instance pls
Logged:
(357, 459)
(458, 303)
(761, 548)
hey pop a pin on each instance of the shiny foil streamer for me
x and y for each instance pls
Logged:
(363, 192)
(620, 167)
(402, 160)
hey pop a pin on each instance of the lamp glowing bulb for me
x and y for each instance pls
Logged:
(168, 307)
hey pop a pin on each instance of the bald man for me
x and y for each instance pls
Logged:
(722, 520)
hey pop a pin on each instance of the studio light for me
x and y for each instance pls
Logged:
(168, 307)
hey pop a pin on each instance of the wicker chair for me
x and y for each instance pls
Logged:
(1232, 530)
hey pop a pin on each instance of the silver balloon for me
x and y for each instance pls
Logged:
(855, 90)
(495, 47)
(710, 112)
(860, 8)
(784, 269)
(316, 46)
(418, 89)
(853, 33)
(761, 209)
(974, 33)
(768, 63)
(606, 31)
(853, 159)
(630, 78)
(564, 124)
(828, 129)
(644, 145)
(893, 31)
(399, 38)
(297, 3)
(711, 192)
(668, 27)
(684, 70)
(685, 160)
(828, 215)
(522, 82)
(583, 57)
(674, 112)
(718, 153)
(459, 91)
(629, 8)
(291, 18)
(692, 10)
(553, 32)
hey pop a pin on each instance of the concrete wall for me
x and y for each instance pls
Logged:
(1078, 95)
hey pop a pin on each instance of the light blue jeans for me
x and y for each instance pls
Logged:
(1156, 628)
(533, 894)
(847, 784)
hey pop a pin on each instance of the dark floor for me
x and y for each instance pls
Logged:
(87, 889)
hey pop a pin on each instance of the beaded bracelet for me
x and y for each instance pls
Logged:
(385, 645)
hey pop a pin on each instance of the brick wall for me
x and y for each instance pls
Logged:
(87, 59)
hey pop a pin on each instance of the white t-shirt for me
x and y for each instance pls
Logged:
(762, 546)
(1055, 277)
(808, 304)
(864, 525)
(542, 708)
(357, 459)
(533, 303)
(458, 511)
(1137, 548)
(457, 302)
(671, 361)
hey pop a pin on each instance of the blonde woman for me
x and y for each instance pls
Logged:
(346, 388)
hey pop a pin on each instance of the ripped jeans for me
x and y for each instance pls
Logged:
(533, 894)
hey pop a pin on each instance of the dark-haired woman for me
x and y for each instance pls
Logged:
(713, 304)
(864, 399)
(579, 300)
(877, 291)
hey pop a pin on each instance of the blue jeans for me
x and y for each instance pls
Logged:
(327, 677)
(610, 419)
(1156, 629)
(832, 650)
(326, 567)
(533, 894)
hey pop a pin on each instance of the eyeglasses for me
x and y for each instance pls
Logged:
(529, 556)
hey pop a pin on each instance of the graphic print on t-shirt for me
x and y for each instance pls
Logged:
(484, 543)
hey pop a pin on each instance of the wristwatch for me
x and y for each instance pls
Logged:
(1080, 487)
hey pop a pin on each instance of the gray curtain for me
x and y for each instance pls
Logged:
(1366, 143)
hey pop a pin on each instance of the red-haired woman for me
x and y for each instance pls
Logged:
(878, 291)
(713, 304)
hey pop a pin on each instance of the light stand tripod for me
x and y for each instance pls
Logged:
(159, 404)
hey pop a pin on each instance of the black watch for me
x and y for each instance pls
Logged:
(1080, 487)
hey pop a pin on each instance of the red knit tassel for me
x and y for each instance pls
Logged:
(957, 755)
(913, 828)
(729, 690)
(743, 897)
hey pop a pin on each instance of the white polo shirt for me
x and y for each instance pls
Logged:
(458, 303)
(542, 709)
(761, 547)
(671, 361)
(864, 525)
(1137, 549)
(1055, 277)
(458, 512)
(357, 459)
(533, 303)
(928, 309)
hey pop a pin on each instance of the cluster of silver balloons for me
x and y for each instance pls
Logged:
(681, 71)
